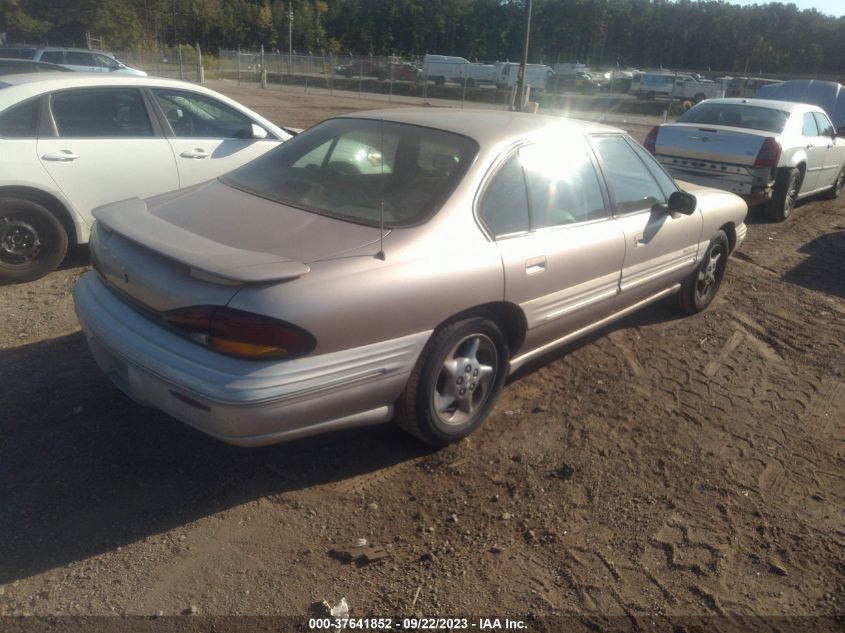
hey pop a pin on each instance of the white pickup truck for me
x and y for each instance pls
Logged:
(696, 91)
(771, 152)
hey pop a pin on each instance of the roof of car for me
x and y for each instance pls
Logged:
(786, 106)
(16, 88)
(489, 126)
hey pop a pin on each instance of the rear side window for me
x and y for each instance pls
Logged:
(102, 113)
(77, 58)
(504, 207)
(54, 57)
(809, 127)
(20, 121)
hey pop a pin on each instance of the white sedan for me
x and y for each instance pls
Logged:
(72, 142)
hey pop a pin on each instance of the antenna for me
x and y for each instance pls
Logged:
(380, 255)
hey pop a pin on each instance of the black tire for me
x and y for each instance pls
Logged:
(439, 81)
(33, 241)
(699, 97)
(787, 186)
(699, 289)
(836, 190)
(466, 361)
(650, 96)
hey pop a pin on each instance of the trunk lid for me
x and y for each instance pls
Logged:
(716, 143)
(199, 246)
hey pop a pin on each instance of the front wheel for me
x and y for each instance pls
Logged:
(699, 289)
(787, 186)
(33, 241)
(836, 190)
(456, 382)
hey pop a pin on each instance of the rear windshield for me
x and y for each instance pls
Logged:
(359, 169)
(736, 115)
(17, 53)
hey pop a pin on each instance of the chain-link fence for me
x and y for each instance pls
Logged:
(368, 74)
(175, 62)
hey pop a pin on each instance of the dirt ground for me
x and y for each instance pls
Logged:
(666, 466)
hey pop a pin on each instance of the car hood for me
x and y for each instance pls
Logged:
(233, 235)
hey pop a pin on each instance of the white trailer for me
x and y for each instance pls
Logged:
(443, 68)
(536, 75)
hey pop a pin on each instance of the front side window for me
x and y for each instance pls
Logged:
(361, 170)
(20, 121)
(667, 185)
(632, 185)
(104, 61)
(197, 116)
(824, 124)
(563, 187)
(101, 113)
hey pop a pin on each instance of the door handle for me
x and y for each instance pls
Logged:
(63, 156)
(197, 152)
(534, 265)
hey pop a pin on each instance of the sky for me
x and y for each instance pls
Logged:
(831, 7)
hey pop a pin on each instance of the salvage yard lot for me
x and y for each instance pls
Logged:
(667, 465)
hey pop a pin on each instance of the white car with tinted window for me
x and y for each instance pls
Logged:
(70, 145)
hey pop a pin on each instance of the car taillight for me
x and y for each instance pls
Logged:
(241, 334)
(769, 154)
(651, 140)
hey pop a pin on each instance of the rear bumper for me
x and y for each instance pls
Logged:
(248, 403)
(753, 184)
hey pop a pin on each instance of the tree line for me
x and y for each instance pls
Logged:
(770, 38)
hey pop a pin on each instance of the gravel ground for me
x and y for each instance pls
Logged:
(666, 466)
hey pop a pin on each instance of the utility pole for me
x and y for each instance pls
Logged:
(176, 43)
(520, 84)
(290, 36)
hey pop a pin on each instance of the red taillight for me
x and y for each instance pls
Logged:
(769, 154)
(241, 334)
(651, 140)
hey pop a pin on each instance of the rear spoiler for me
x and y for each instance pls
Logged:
(206, 258)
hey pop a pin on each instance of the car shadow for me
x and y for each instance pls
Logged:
(824, 269)
(652, 314)
(84, 470)
(76, 256)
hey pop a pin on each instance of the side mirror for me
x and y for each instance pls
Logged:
(682, 202)
(258, 132)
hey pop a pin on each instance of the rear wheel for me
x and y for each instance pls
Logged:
(836, 190)
(456, 382)
(787, 186)
(33, 241)
(699, 289)
(699, 97)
